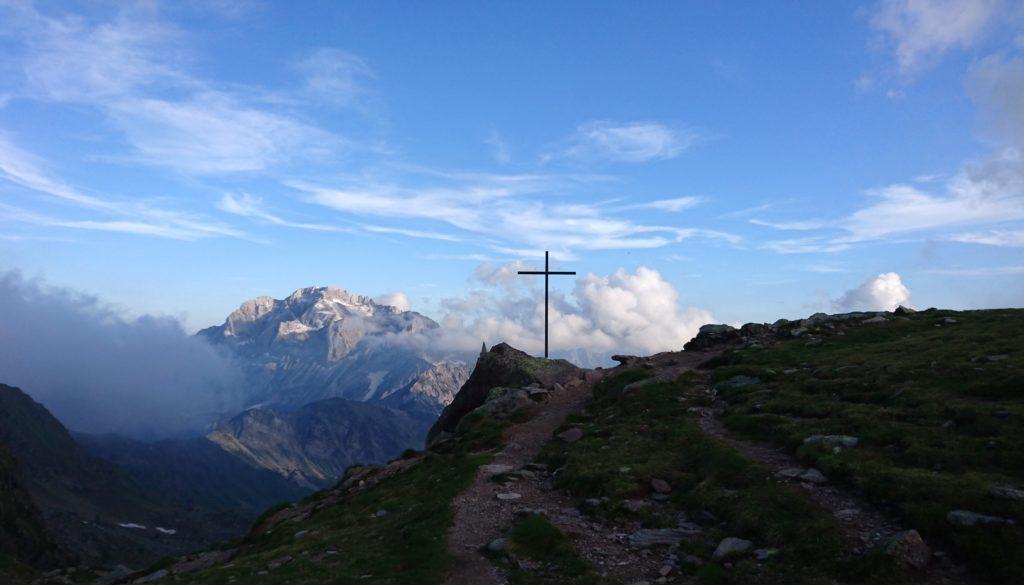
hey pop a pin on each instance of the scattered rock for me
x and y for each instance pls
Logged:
(381, 513)
(506, 496)
(496, 468)
(537, 393)
(847, 514)
(279, 562)
(970, 519)
(812, 475)
(114, 575)
(1006, 492)
(155, 576)
(661, 486)
(909, 548)
(799, 331)
(572, 435)
(997, 358)
(648, 537)
(692, 560)
(636, 505)
(731, 547)
(301, 533)
(638, 384)
(875, 319)
(813, 342)
(738, 382)
(789, 473)
(950, 321)
(763, 554)
(498, 545)
(842, 440)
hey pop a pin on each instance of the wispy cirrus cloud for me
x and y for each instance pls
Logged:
(247, 205)
(137, 216)
(505, 214)
(175, 227)
(1001, 238)
(132, 68)
(625, 142)
(919, 32)
(672, 205)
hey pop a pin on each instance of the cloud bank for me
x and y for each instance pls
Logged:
(884, 292)
(100, 372)
(635, 312)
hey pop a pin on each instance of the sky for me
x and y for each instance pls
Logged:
(692, 161)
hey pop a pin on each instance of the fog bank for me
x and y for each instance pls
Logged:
(100, 372)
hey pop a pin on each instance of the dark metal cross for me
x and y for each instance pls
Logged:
(547, 272)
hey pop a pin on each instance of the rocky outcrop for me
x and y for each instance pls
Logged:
(501, 367)
(753, 335)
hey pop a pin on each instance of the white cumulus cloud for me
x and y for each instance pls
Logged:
(636, 312)
(884, 292)
(396, 299)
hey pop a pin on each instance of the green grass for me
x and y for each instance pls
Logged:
(536, 540)
(648, 433)
(939, 423)
(395, 532)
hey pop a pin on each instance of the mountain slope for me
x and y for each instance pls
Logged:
(313, 445)
(23, 536)
(90, 506)
(195, 475)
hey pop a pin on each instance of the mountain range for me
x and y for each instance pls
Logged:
(322, 342)
(332, 379)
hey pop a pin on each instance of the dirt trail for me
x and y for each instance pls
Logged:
(480, 516)
(865, 525)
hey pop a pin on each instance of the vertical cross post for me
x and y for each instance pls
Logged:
(547, 273)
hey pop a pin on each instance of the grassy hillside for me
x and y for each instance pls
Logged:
(936, 400)
(929, 406)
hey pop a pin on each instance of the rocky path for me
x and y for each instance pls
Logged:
(487, 509)
(865, 525)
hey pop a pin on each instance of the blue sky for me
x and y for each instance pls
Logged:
(178, 158)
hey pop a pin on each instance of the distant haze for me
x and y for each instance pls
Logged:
(100, 372)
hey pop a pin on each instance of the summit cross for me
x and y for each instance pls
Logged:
(547, 272)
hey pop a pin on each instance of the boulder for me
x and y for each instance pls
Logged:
(572, 435)
(812, 475)
(875, 319)
(497, 545)
(789, 473)
(840, 440)
(732, 547)
(737, 382)
(969, 519)
(661, 486)
(909, 548)
(1006, 492)
(903, 311)
(648, 537)
(496, 468)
